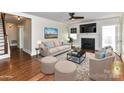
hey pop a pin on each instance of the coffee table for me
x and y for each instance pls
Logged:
(76, 57)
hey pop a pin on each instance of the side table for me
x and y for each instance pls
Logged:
(37, 51)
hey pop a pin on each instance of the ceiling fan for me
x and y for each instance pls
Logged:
(72, 17)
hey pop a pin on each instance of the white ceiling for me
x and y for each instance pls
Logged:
(63, 16)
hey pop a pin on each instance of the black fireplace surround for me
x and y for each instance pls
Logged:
(88, 43)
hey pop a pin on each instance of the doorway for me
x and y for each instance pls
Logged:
(18, 29)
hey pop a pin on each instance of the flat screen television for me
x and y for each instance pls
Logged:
(88, 28)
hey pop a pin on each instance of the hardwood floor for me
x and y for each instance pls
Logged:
(20, 67)
(23, 67)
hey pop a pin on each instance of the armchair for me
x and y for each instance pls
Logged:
(100, 68)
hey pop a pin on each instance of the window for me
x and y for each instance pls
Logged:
(73, 30)
(73, 33)
(74, 36)
(108, 36)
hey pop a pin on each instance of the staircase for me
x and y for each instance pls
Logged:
(3, 38)
(2, 48)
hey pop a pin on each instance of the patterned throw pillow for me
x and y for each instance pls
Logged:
(48, 44)
(56, 43)
(109, 52)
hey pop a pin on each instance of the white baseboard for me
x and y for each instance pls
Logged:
(4, 56)
(13, 44)
(27, 51)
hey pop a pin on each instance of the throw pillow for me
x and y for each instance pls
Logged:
(109, 52)
(61, 43)
(100, 54)
(56, 43)
(48, 44)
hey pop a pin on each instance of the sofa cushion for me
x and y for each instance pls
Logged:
(48, 44)
(66, 46)
(60, 48)
(53, 50)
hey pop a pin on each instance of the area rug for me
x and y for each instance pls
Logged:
(82, 69)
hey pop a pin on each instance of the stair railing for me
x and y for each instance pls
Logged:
(4, 32)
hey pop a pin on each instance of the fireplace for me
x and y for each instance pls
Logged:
(88, 43)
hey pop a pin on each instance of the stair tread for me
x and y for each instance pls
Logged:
(2, 53)
(2, 49)
(1, 45)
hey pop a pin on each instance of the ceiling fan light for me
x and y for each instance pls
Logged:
(72, 19)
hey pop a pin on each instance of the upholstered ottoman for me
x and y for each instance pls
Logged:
(47, 64)
(65, 71)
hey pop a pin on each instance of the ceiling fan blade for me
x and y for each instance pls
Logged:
(77, 17)
(72, 17)
(71, 14)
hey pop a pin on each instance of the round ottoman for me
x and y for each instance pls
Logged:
(65, 71)
(47, 64)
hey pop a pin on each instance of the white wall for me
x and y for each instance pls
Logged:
(37, 29)
(12, 33)
(27, 36)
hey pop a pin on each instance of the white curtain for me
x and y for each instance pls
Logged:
(113, 22)
(123, 36)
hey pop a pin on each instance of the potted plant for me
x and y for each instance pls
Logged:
(70, 40)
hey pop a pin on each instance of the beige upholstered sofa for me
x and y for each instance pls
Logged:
(54, 47)
(100, 68)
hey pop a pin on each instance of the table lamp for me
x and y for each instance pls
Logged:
(39, 43)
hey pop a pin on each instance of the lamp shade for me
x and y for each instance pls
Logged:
(39, 42)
